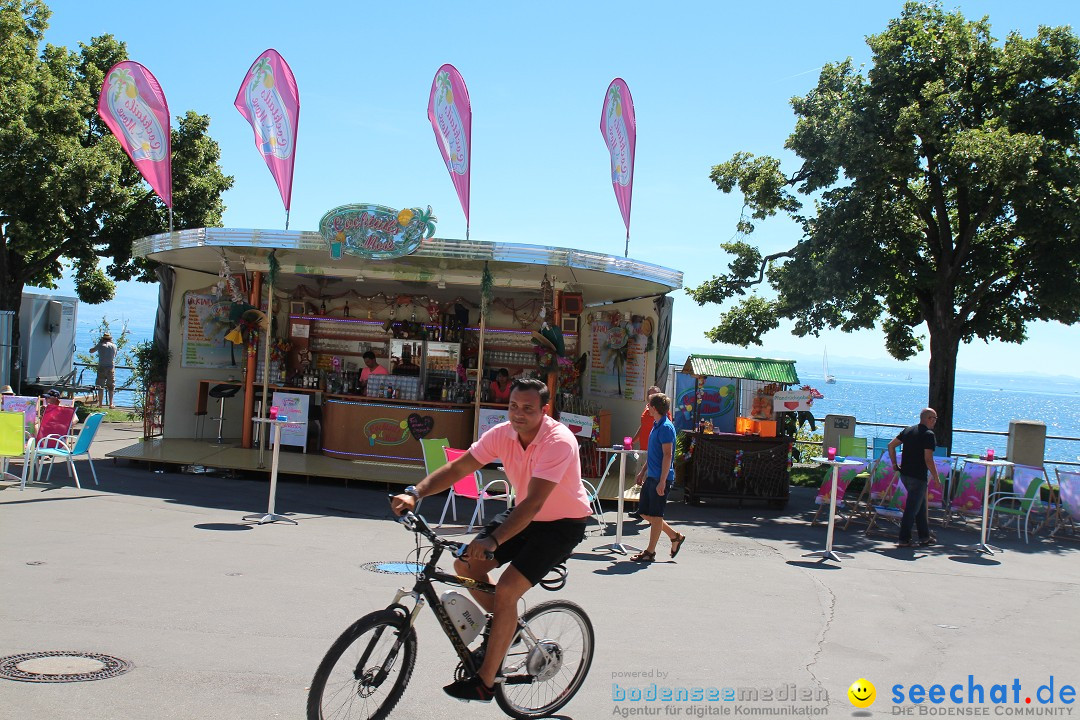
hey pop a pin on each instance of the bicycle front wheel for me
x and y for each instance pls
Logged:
(365, 671)
(542, 677)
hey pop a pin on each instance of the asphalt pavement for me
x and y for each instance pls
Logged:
(221, 618)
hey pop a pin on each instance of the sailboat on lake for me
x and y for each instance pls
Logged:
(829, 379)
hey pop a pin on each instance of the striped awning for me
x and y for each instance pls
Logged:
(743, 368)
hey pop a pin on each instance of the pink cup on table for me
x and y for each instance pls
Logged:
(273, 412)
(990, 454)
(628, 443)
(832, 454)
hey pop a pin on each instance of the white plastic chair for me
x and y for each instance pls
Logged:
(594, 503)
(472, 487)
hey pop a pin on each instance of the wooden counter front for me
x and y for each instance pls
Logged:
(371, 429)
(741, 467)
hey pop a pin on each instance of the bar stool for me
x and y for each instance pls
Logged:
(221, 392)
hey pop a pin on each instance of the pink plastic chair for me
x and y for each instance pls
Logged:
(472, 487)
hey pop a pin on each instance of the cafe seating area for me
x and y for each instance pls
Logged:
(1024, 499)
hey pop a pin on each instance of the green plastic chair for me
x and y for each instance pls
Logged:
(434, 456)
(1024, 498)
(852, 446)
(12, 441)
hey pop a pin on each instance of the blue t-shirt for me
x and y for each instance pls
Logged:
(663, 431)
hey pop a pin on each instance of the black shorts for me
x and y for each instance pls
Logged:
(649, 503)
(539, 547)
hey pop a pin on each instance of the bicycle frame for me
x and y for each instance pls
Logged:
(423, 592)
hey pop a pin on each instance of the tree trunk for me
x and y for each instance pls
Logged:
(944, 346)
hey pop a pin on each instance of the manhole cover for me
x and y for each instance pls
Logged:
(61, 666)
(393, 568)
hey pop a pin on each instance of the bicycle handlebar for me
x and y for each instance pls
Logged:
(417, 524)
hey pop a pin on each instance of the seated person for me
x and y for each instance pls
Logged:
(500, 387)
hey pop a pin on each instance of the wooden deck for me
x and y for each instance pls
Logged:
(188, 452)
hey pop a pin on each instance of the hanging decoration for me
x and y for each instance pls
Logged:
(486, 284)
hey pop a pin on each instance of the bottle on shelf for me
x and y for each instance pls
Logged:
(322, 308)
(346, 308)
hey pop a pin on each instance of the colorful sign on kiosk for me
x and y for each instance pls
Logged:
(375, 232)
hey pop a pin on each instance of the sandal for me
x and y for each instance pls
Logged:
(676, 544)
(644, 556)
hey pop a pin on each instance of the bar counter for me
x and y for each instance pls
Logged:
(363, 428)
(741, 467)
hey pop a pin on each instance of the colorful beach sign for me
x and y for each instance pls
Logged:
(451, 118)
(619, 128)
(270, 101)
(133, 107)
(375, 232)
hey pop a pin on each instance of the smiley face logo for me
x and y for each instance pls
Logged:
(862, 693)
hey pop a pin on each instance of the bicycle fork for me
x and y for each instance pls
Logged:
(388, 664)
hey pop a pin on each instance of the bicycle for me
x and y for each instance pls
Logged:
(365, 671)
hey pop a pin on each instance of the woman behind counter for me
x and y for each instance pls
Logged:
(500, 387)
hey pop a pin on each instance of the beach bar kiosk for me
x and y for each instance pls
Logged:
(370, 332)
(724, 407)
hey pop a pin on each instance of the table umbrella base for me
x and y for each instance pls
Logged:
(830, 555)
(621, 548)
(264, 518)
(984, 548)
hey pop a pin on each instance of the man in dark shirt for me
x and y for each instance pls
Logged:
(918, 459)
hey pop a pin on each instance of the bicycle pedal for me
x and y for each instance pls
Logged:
(517, 680)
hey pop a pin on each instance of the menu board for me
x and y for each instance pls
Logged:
(294, 406)
(206, 322)
(617, 361)
(21, 403)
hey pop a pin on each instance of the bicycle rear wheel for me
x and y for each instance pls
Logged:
(365, 671)
(542, 678)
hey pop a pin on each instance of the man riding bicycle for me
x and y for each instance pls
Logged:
(540, 457)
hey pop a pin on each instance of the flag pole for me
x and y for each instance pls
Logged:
(286, 219)
(171, 222)
(626, 253)
(263, 409)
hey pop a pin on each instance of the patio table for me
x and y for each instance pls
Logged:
(618, 546)
(270, 516)
(828, 553)
(982, 546)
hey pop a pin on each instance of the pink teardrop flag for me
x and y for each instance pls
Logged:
(133, 107)
(451, 118)
(270, 101)
(619, 128)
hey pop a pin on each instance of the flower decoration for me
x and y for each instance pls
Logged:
(279, 348)
(460, 370)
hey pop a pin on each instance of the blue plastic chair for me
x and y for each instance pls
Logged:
(61, 448)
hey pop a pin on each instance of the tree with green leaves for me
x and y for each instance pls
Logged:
(69, 195)
(944, 184)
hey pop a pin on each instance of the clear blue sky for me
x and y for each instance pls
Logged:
(708, 79)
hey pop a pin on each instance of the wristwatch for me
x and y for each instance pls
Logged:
(411, 490)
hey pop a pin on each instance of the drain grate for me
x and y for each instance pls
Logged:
(393, 568)
(61, 666)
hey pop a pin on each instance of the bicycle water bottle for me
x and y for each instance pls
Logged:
(468, 619)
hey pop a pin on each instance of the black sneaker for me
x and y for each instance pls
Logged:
(928, 541)
(470, 690)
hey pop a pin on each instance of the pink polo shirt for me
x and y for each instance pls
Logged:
(552, 456)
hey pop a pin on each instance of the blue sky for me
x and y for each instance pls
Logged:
(708, 79)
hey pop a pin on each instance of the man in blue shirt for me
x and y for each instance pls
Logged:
(660, 477)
